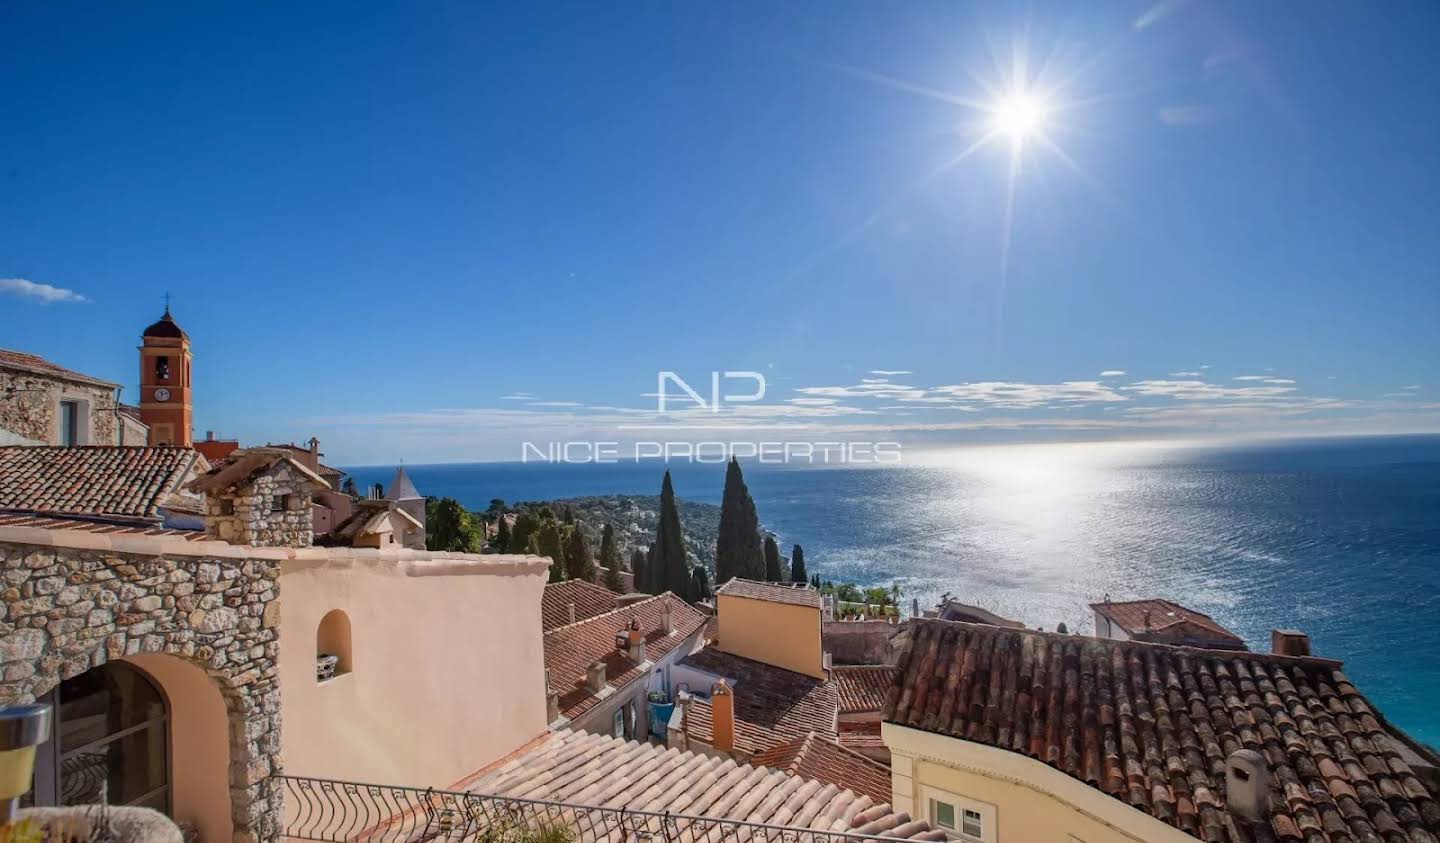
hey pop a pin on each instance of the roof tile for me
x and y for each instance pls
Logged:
(798, 594)
(120, 482)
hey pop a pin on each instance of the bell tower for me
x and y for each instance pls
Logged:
(165, 402)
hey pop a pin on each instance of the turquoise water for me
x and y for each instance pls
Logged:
(1339, 538)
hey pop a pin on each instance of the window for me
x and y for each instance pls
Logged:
(69, 423)
(332, 646)
(111, 742)
(971, 824)
(279, 503)
(962, 818)
(618, 727)
(162, 368)
(943, 814)
(227, 506)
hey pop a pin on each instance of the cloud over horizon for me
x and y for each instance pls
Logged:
(35, 291)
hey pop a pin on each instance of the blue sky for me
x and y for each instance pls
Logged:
(386, 224)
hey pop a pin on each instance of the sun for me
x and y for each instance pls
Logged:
(1019, 115)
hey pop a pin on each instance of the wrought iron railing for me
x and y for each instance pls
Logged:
(322, 809)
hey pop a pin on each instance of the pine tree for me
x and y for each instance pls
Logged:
(700, 584)
(669, 570)
(579, 564)
(737, 546)
(451, 528)
(772, 560)
(610, 559)
(549, 541)
(797, 565)
(502, 533)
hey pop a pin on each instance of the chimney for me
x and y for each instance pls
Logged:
(314, 444)
(1145, 615)
(1289, 642)
(572, 612)
(209, 436)
(552, 700)
(595, 676)
(667, 619)
(635, 642)
(722, 717)
(1247, 792)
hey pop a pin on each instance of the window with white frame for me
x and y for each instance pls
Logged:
(618, 729)
(962, 818)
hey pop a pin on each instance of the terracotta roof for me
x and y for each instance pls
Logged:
(777, 702)
(242, 465)
(798, 594)
(121, 482)
(954, 610)
(370, 517)
(1167, 619)
(861, 734)
(588, 598)
(49, 522)
(862, 687)
(571, 649)
(1152, 725)
(40, 366)
(589, 769)
(824, 760)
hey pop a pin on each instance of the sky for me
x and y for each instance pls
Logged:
(433, 232)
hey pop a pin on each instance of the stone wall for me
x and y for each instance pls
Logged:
(271, 510)
(72, 601)
(30, 411)
(863, 642)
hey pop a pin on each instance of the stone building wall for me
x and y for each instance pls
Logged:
(73, 601)
(272, 510)
(30, 411)
(864, 642)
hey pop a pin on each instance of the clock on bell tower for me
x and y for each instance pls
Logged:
(165, 382)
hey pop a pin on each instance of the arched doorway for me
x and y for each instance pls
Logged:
(111, 741)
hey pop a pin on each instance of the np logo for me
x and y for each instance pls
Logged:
(716, 398)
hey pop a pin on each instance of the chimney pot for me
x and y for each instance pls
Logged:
(1145, 615)
(722, 717)
(595, 676)
(1289, 642)
(667, 620)
(1247, 793)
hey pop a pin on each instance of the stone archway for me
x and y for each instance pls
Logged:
(68, 610)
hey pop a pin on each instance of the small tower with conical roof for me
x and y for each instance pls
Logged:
(165, 401)
(407, 498)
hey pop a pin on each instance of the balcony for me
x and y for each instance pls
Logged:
(323, 809)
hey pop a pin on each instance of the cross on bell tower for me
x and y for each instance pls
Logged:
(165, 398)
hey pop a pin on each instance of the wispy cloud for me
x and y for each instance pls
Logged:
(1412, 387)
(1112, 373)
(555, 404)
(518, 396)
(1186, 375)
(35, 291)
(1279, 380)
(1196, 390)
(1019, 396)
(1252, 378)
(889, 372)
(1157, 13)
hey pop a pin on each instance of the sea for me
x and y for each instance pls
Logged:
(1339, 538)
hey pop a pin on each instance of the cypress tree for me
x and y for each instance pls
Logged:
(772, 561)
(637, 569)
(669, 571)
(446, 526)
(797, 565)
(548, 541)
(737, 546)
(700, 584)
(579, 564)
(502, 534)
(525, 526)
(610, 560)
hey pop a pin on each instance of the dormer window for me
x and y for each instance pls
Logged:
(162, 368)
